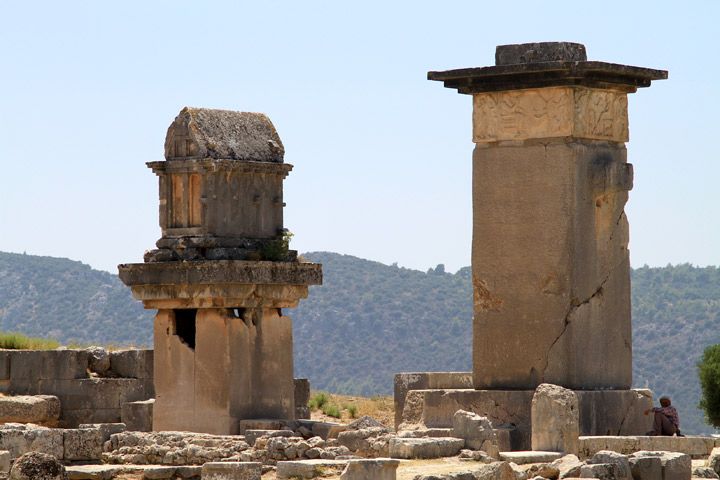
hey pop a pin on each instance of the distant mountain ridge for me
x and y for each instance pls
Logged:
(370, 320)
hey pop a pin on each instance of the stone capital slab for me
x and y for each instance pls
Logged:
(552, 112)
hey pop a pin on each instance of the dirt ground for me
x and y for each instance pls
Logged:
(381, 408)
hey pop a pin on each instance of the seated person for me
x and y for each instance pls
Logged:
(666, 421)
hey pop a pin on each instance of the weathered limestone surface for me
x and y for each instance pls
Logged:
(553, 112)
(20, 439)
(477, 432)
(620, 461)
(675, 465)
(238, 368)
(714, 458)
(39, 409)
(425, 447)
(82, 444)
(309, 468)
(435, 409)
(376, 469)
(138, 416)
(521, 457)
(695, 447)
(550, 266)
(37, 466)
(223, 134)
(302, 397)
(404, 382)
(550, 217)
(65, 375)
(555, 419)
(619, 412)
(231, 471)
(540, 52)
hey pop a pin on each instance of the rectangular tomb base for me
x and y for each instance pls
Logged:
(602, 412)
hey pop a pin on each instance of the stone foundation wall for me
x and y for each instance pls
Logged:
(405, 382)
(92, 385)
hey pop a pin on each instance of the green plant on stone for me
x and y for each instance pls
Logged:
(709, 373)
(277, 249)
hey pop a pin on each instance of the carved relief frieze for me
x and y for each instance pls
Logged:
(550, 112)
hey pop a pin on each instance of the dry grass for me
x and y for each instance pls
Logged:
(380, 408)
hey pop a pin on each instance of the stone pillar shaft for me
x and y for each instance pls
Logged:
(550, 262)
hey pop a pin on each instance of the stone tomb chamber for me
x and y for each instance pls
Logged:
(550, 261)
(221, 275)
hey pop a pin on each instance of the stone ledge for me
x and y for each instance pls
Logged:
(696, 447)
(220, 272)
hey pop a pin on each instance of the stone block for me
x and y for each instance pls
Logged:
(38, 409)
(404, 382)
(259, 424)
(106, 429)
(82, 444)
(94, 472)
(73, 418)
(425, 447)
(99, 360)
(375, 469)
(696, 447)
(435, 409)
(645, 468)
(675, 465)
(599, 471)
(614, 412)
(558, 305)
(4, 462)
(138, 416)
(714, 459)
(476, 431)
(132, 363)
(37, 466)
(302, 469)
(48, 364)
(21, 441)
(529, 456)
(302, 397)
(568, 466)
(231, 471)
(493, 471)
(252, 435)
(153, 472)
(555, 419)
(704, 472)
(621, 462)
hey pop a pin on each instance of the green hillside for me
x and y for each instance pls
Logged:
(370, 320)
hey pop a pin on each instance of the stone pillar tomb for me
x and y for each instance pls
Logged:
(221, 275)
(550, 263)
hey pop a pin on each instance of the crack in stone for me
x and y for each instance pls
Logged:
(573, 308)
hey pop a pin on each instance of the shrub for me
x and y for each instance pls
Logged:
(709, 373)
(352, 410)
(331, 410)
(18, 341)
(318, 401)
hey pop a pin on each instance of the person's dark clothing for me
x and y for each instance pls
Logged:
(663, 425)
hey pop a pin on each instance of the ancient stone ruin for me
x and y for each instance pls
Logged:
(221, 275)
(550, 393)
(550, 264)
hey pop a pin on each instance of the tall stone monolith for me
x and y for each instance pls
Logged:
(550, 264)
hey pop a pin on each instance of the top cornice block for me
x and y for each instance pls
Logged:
(199, 133)
(546, 64)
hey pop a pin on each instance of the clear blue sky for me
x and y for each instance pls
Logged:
(381, 155)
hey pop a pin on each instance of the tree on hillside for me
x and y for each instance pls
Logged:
(709, 372)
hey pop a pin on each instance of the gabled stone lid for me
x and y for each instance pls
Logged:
(546, 64)
(223, 134)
